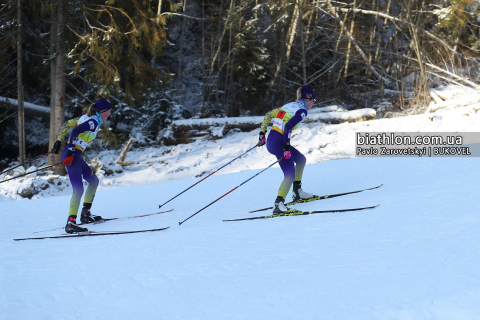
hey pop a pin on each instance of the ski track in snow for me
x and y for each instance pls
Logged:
(414, 257)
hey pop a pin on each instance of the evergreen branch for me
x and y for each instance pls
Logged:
(7, 117)
(178, 14)
(78, 35)
(8, 35)
(8, 106)
(7, 66)
(111, 17)
(78, 91)
(88, 82)
(93, 27)
(8, 84)
(106, 67)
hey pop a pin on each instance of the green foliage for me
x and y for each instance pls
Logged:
(109, 138)
(114, 46)
(157, 112)
(251, 58)
(460, 21)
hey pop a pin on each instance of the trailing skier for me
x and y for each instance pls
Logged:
(85, 130)
(284, 120)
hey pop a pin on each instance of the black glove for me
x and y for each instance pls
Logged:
(286, 146)
(56, 147)
(261, 139)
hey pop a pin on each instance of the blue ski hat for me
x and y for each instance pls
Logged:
(308, 92)
(102, 105)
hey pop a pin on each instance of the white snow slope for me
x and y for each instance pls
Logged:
(416, 256)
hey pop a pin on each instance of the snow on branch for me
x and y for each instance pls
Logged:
(33, 108)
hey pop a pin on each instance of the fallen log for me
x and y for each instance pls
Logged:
(454, 103)
(341, 117)
(185, 131)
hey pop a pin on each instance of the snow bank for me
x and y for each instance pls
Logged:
(319, 143)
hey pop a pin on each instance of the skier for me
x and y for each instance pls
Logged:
(84, 132)
(292, 162)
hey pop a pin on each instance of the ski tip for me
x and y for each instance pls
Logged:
(180, 223)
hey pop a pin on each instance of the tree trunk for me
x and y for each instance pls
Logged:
(203, 54)
(350, 37)
(229, 57)
(21, 119)
(159, 10)
(60, 80)
(372, 33)
(289, 42)
(53, 72)
(220, 40)
(182, 38)
(349, 47)
(300, 31)
(337, 45)
(291, 31)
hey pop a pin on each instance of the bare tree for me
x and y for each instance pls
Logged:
(53, 74)
(21, 115)
(180, 51)
(60, 78)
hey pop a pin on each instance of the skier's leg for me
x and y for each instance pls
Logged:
(300, 162)
(92, 180)
(75, 174)
(275, 147)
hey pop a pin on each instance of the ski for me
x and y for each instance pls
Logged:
(290, 213)
(108, 219)
(91, 233)
(314, 198)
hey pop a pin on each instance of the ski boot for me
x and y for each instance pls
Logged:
(72, 226)
(279, 206)
(86, 217)
(298, 193)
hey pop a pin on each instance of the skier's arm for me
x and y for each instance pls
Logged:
(89, 125)
(296, 119)
(66, 126)
(267, 119)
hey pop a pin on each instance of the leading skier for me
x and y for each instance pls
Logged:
(292, 162)
(85, 130)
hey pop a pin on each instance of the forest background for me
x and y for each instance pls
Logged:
(159, 60)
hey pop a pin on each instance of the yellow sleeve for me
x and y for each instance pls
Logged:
(268, 117)
(67, 126)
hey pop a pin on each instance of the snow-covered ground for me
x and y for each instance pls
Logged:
(413, 257)
(161, 164)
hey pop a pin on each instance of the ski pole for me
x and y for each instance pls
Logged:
(53, 165)
(208, 176)
(43, 155)
(180, 223)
